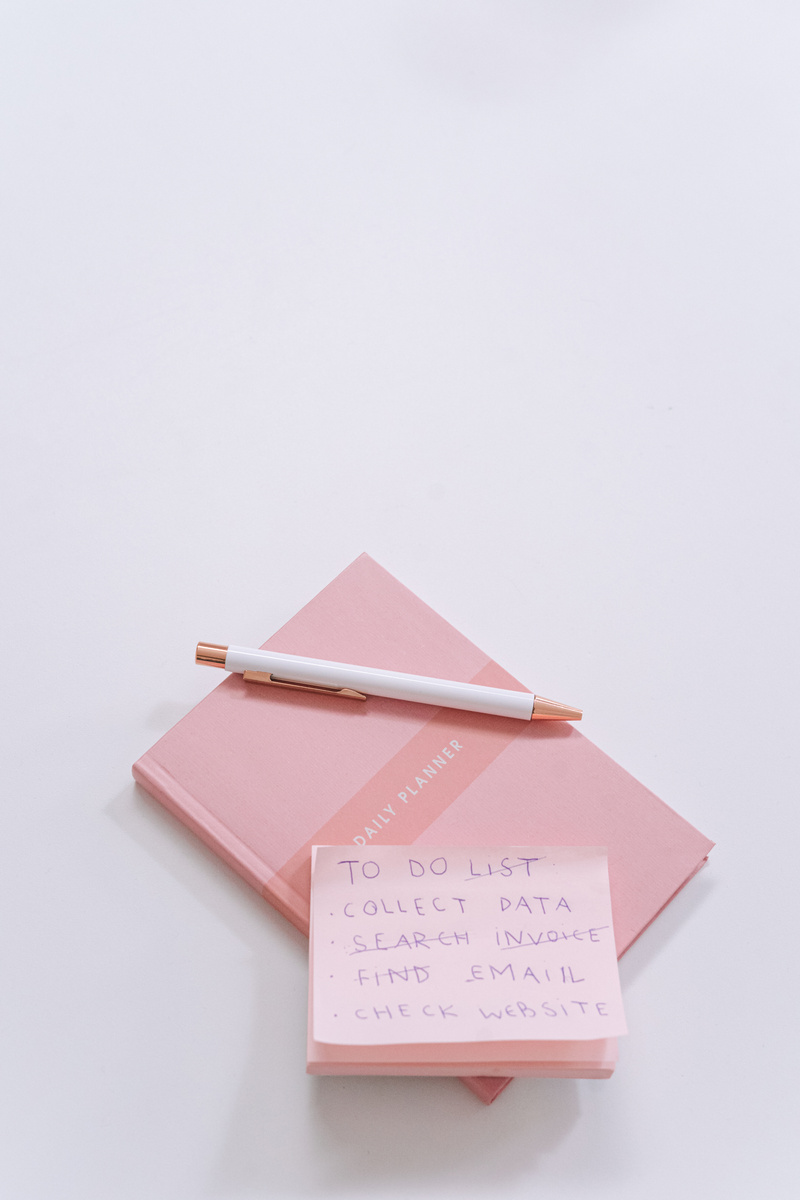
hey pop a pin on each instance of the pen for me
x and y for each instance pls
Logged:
(355, 683)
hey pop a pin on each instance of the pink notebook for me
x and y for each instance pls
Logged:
(261, 775)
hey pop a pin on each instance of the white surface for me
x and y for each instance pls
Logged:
(505, 294)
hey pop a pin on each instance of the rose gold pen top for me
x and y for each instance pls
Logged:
(209, 655)
(553, 710)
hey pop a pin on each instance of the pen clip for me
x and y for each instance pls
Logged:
(317, 689)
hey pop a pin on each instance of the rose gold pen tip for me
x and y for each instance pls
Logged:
(210, 655)
(554, 710)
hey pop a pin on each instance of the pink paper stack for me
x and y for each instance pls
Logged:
(262, 775)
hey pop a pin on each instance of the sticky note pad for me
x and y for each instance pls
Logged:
(439, 947)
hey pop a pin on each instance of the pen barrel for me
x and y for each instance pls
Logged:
(393, 685)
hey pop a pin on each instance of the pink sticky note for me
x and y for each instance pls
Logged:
(440, 944)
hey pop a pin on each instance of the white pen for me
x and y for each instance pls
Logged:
(355, 683)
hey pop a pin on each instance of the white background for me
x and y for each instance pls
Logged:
(505, 294)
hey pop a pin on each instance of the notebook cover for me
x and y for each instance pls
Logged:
(261, 774)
